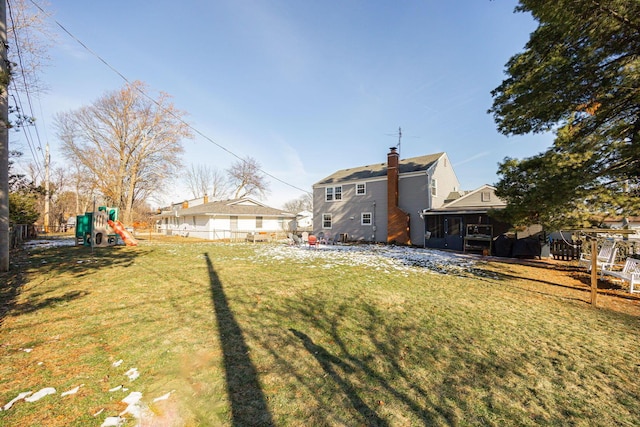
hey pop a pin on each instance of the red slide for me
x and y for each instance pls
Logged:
(128, 239)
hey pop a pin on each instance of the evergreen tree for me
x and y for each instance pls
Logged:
(579, 76)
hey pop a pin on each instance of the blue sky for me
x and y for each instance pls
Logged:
(306, 88)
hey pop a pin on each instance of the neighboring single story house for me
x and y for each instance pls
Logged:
(383, 202)
(223, 219)
(463, 221)
(630, 223)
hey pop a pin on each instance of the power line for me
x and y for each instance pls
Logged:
(172, 114)
(27, 135)
(18, 100)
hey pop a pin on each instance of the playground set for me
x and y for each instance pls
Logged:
(101, 229)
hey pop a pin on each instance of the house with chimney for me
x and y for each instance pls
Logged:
(241, 219)
(383, 202)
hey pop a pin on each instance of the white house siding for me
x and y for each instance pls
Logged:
(446, 180)
(219, 227)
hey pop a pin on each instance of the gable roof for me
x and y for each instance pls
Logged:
(413, 164)
(471, 201)
(235, 207)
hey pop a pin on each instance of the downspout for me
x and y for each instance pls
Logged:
(375, 228)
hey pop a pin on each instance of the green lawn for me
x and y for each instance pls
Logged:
(270, 335)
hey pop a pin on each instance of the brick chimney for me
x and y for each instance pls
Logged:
(185, 205)
(205, 199)
(397, 219)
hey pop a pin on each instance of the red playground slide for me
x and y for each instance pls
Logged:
(128, 239)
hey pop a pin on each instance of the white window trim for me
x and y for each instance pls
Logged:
(335, 193)
(331, 195)
(328, 194)
(362, 215)
(364, 187)
(434, 187)
(330, 221)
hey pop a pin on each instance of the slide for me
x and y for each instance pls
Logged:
(128, 239)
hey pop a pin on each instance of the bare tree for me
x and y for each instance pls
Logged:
(247, 179)
(130, 143)
(203, 179)
(302, 203)
(30, 37)
(84, 187)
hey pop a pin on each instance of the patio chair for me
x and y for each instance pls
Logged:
(605, 259)
(313, 241)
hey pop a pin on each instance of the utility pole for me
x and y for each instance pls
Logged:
(47, 193)
(4, 141)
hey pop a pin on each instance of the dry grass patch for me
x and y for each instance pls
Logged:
(235, 335)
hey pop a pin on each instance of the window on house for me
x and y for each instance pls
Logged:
(333, 193)
(434, 187)
(485, 196)
(194, 221)
(365, 218)
(361, 189)
(328, 194)
(326, 220)
(258, 222)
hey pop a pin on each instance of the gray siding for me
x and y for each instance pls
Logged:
(413, 198)
(346, 213)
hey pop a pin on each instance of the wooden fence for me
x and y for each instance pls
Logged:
(565, 250)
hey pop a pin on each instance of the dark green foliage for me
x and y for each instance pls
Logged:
(23, 197)
(23, 207)
(580, 76)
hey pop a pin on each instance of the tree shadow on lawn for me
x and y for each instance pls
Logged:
(566, 277)
(327, 361)
(73, 261)
(357, 377)
(462, 378)
(247, 400)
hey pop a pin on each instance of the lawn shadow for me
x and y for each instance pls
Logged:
(328, 362)
(248, 403)
(74, 261)
(11, 281)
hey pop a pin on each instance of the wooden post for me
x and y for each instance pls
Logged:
(594, 272)
(4, 142)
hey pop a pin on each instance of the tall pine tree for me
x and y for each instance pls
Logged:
(578, 76)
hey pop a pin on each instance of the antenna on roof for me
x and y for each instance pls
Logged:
(399, 139)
